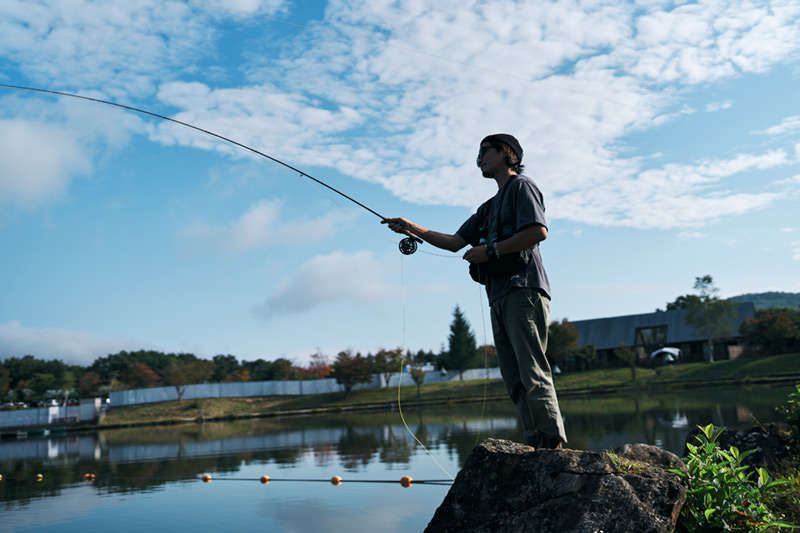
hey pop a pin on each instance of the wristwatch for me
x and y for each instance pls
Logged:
(491, 250)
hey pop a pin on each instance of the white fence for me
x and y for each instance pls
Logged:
(45, 416)
(279, 388)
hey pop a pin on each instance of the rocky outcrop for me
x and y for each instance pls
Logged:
(510, 487)
(772, 442)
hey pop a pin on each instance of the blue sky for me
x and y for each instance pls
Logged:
(665, 136)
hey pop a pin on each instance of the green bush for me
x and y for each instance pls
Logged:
(722, 494)
(791, 411)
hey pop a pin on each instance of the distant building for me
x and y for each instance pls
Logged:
(650, 331)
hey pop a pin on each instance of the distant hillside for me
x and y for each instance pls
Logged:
(765, 300)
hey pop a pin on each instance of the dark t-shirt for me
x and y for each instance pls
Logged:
(523, 205)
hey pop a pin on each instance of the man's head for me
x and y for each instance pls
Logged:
(508, 153)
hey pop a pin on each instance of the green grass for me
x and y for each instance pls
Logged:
(618, 378)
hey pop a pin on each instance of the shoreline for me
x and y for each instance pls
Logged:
(660, 386)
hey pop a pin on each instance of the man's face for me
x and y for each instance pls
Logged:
(489, 159)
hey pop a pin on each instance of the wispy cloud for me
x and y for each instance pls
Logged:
(796, 250)
(324, 279)
(718, 106)
(399, 93)
(692, 235)
(71, 346)
(787, 125)
(264, 224)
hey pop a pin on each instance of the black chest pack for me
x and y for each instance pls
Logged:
(506, 264)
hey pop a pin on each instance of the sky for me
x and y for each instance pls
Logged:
(664, 135)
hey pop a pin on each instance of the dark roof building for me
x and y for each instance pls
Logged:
(650, 331)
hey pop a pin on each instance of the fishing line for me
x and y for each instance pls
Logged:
(407, 246)
(400, 376)
(485, 363)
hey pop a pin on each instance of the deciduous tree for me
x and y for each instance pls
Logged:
(88, 383)
(773, 331)
(5, 380)
(139, 375)
(181, 374)
(625, 353)
(418, 375)
(387, 362)
(562, 341)
(350, 370)
(710, 315)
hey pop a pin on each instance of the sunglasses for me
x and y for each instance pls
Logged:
(482, 151)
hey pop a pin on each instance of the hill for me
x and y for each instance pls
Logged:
(766, 300)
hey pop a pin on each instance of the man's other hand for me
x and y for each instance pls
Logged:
(477, 254)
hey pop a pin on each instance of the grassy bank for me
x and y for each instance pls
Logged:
(607, 380)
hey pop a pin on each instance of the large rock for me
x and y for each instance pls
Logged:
(509, 487)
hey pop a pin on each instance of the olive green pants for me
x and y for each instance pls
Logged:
(519, 324)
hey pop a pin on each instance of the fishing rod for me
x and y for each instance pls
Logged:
(407, 246)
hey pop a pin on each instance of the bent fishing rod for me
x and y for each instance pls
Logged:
(407, 246)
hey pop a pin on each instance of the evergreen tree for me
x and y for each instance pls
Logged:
(462, 352)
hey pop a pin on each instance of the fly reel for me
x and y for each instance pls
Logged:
(408, 245)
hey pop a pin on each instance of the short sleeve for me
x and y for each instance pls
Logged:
(474, 229)
(529, 206)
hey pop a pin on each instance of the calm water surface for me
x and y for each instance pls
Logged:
(147, 478)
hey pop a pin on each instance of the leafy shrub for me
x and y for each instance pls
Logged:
(722, 494)
(791, 410)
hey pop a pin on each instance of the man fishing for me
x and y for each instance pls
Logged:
(504, 235)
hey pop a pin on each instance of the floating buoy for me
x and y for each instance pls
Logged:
(264, 480)
(206, 478)
(39, 477)
(336, 481)
(406, 481)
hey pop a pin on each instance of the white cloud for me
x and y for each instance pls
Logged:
(717, 106)
(264, 224)
(324, 279)
(692, 235)
(787, 125)
(71, 346)
(37, 161)
(788, 181)
(399, 93)
(40, 155)
(117, 47)
(796, 250)
(786, 230)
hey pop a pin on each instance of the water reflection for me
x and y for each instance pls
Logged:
(144, 460)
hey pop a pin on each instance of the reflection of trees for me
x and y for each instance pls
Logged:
(396, 449)
(323, 454)
(361, 439)
(356, 448)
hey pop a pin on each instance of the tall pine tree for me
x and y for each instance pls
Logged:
(462, 353)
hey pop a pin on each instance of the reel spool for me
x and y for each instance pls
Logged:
(408, 246)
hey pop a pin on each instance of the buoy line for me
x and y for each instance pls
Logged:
(405, 481)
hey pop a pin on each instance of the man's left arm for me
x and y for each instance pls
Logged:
(522, 240)
(529, 218)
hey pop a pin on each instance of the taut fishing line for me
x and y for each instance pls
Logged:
(400, 376)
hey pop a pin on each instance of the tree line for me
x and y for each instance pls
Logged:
(29, 378)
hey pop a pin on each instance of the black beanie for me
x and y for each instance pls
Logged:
(508, 140)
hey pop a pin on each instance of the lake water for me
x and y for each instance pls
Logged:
(148, 478)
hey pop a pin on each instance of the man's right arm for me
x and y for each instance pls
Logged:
(444, 241)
